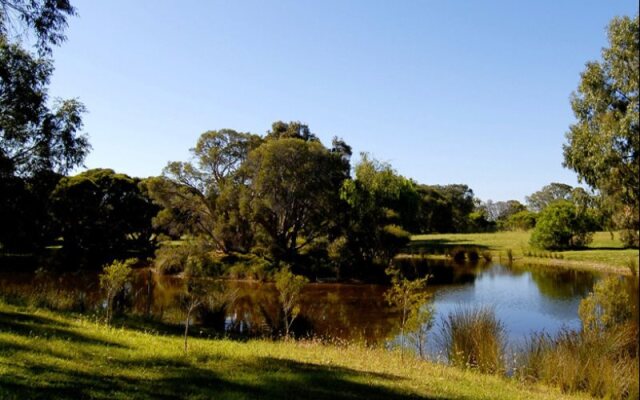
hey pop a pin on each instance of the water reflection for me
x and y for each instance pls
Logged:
(525, 299)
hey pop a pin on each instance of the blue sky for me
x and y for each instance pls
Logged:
(473, 92)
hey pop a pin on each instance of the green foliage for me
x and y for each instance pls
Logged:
(445, 208)
(103, 215)
(604, 144)
(475, 338)
(606, 307)
(292, 194)
(289, 289)
(522, 220)
(410, 297)
(381, 207)
(34, 137)
(113, 279)
(551, 193)
(204, 198)
(561, 226)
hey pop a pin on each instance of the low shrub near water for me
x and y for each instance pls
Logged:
(474, 338)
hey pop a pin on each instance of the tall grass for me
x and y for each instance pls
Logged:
(604, 365)
(474, 338)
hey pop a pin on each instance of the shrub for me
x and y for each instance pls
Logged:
(113, 279)
(289, 289)
(559, 226)
(410, 297)
(606, 307)
(474, 338)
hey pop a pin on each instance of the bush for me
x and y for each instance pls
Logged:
(560, 226)
(606, 307)
(289, 290)
(113, 279)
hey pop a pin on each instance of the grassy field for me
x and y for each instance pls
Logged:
(604, 253)
(46, 355)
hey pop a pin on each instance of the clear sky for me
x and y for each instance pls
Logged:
(473, 92)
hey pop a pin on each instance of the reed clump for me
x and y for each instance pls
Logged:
(474, 338)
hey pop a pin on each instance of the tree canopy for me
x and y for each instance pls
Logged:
(47, 19)
(603, 146)
(103, 215)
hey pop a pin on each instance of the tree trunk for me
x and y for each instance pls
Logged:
(186, 329)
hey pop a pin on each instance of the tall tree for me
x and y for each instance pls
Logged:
(293, 192)
(604, 144)
(38, 140)
(202, 198)
(34, 137)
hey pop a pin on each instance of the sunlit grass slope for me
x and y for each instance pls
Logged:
(604, 252)
(45, 355)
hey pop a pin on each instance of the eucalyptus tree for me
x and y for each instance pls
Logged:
(46, 19)
(293, 193)
(604, 143)
(202, 197)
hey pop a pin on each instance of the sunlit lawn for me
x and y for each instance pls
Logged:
(603, 250)
(46, 355)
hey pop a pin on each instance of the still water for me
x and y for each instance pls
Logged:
(526, 299)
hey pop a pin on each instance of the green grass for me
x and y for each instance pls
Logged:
(50, 355)
(603, 253)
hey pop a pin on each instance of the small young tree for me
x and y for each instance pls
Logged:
(410, 296)
(289, 288)
(113, 279)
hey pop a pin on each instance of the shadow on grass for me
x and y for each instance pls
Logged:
(29, 325)
(263, 378)
(35, 372)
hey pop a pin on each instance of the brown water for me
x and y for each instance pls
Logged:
(526, 299)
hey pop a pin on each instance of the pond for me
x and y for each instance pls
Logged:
(526, 299)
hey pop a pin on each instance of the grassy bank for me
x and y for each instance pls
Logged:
(604, 253)
(50, 355)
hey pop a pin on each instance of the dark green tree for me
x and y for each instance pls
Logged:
(292, 194)
(446, 208)
(103, 215)
(603, 146)
(381, 207)
(38, 141)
